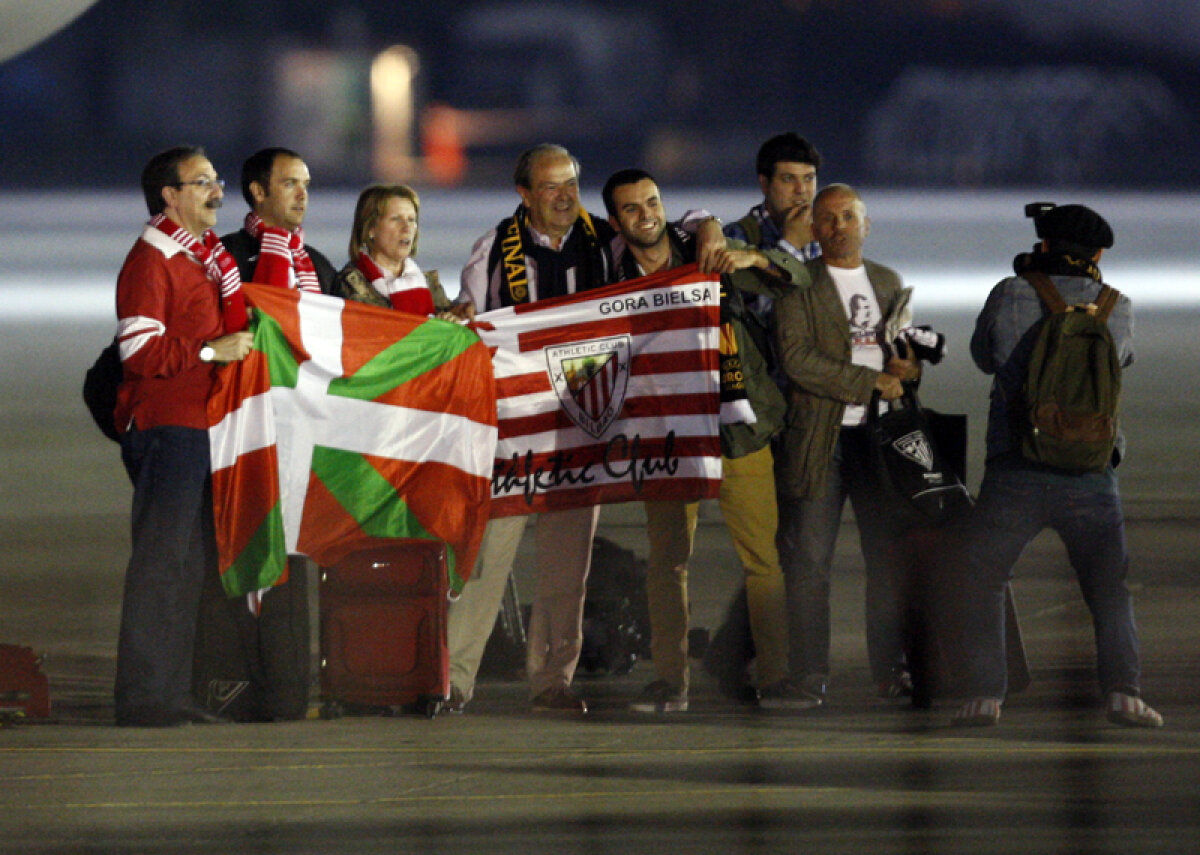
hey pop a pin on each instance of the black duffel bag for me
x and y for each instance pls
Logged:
(915, 452)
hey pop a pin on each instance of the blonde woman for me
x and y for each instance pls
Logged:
(382, 270)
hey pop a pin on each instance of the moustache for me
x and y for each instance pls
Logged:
(213, 204)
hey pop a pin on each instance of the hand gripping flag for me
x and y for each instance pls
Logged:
(609, 395)
(348, 425)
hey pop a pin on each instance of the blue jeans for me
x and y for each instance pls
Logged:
(808, 530)
(173, 547)
(1013, 508)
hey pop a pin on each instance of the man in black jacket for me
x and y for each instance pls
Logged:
(270, 247)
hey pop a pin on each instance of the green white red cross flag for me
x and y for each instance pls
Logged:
(347, 426)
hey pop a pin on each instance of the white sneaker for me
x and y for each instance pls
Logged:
(978, 712)
(1131, 711)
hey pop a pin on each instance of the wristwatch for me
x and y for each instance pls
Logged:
(207, 354)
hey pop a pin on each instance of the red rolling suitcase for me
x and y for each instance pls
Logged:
(383, 630)
(24, 687)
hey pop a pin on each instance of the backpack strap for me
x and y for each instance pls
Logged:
(1106, 301)
(1046, 291)
(750, 226)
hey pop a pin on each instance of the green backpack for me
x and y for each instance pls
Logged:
(1073, 386)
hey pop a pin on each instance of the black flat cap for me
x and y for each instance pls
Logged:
(1074, 224)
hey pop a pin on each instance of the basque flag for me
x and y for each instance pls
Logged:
(346, 426)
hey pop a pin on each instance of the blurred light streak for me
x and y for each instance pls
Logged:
(393, 114)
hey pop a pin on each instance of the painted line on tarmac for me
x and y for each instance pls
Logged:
(214, 770)
(924, 749)
(756, 791)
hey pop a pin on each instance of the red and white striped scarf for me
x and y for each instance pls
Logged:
(218, 265)
(281, 253)
(407, 292)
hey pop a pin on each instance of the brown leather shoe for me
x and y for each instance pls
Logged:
(560, 699)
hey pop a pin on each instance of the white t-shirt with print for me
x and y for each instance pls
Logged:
(866, 325)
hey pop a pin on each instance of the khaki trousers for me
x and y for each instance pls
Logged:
(564, 556)
(555, 630)
(747, 502)
(473, 615)
(752, 517)
(670, 528)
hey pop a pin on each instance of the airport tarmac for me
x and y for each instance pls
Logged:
(861, 776)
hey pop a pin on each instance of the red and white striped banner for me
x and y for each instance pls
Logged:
(610, 395)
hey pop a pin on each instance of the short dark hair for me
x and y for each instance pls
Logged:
(163, 171)
(620, 178)
(258, 168)
(790, 148)
(524, 170)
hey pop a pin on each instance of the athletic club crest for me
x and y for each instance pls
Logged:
(915, 447)
(590, 378)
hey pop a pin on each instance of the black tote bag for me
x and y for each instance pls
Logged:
(920, 459)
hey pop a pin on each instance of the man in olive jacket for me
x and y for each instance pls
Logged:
(836, 347)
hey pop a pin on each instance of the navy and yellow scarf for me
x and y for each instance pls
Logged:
(581, 251)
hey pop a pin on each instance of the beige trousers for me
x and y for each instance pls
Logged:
(555, 631)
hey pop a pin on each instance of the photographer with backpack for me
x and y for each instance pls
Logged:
(1055, 338)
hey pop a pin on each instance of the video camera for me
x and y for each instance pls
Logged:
(1035, 209)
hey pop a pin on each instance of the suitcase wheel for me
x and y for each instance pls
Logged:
(429, 706)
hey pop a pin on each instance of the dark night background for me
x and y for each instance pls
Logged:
(905, 93)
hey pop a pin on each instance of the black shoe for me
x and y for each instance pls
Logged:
(560, 699)
(661, 697)
(787, 694)
(815, 686)
(899, 684)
